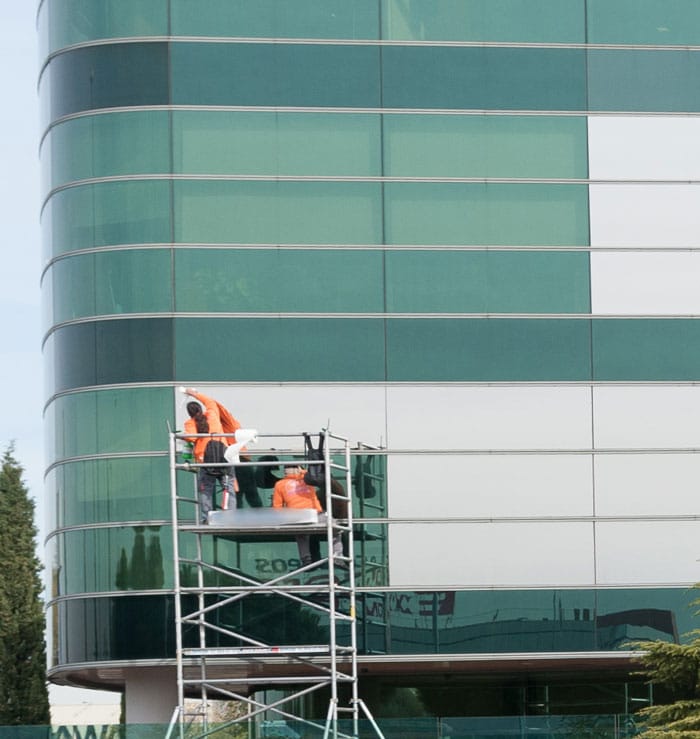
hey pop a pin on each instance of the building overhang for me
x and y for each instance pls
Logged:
(414, 667)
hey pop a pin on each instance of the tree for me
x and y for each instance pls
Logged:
(24, 698)
(675, 667)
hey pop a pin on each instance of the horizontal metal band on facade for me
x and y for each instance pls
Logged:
(359, 178)
(284, 109)
(174, 246)
(602, 587)
(632, 518)
(389, 589)
(105, 456)
(379, 42)
(475, 520)
(102, 594)
(160, 523)
(533, 452)
(397, 315)
(387, 385)
(419, 452)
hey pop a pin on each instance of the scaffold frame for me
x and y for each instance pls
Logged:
(215, 672)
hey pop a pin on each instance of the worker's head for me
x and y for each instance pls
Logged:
(194, 409)
(196, 412)
(292, 471)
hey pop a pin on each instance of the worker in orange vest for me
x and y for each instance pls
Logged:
(207, 420)
(292, 492)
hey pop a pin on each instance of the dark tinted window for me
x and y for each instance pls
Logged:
(488, 78)
(108, 77)
(275, 74)
(109, 352)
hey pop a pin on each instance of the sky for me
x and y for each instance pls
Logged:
(21, 376)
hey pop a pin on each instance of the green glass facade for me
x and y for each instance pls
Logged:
(403, 210)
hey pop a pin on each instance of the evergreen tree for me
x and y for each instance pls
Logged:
(138, 574)
(675, 667)
(121, 579)
(24, 698)
(154, 562)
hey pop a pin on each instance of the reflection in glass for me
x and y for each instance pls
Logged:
(484, 78)
(104, 490)
(107, 213)
(282, 143)
(488, 350)
(223, 142)
(85, 355)
(484, 146)
(493, 621)
(277, 212)
(104, 421)
(277, 19)
(643, 80)
(275, 281)
(405, 622)
(313, 349)
(434, 281)
(133, 627)
(73, 21)
(657, 22)
(119, 558)
(110, 282)
(646, 349)
(488, 214)
(107, 76)
(106, 145)
(484, 20)
(318, 75)
(505, 349)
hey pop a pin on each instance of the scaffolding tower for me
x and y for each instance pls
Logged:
(219, 660)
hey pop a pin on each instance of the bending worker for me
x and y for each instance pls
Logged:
(292, 492)
(207, 420)
(243, 477)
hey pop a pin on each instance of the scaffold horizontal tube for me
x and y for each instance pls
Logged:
(256, 651)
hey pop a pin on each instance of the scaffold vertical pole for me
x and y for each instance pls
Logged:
(353, 605)
(176, 581)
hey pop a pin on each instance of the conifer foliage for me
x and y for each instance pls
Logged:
(23, 690)
(676, 667)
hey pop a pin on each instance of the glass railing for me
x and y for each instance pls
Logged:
(593, 726)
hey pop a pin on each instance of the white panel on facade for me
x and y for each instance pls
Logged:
(639, 147)
(648, 552)
(636, 215)
(645, 283)
(647, 417)
(494, 485)
(647, 484)
(354, 412)
(547, 554)
(494, 417)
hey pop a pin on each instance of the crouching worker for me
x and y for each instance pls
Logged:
(292, 492)
(207, 420)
